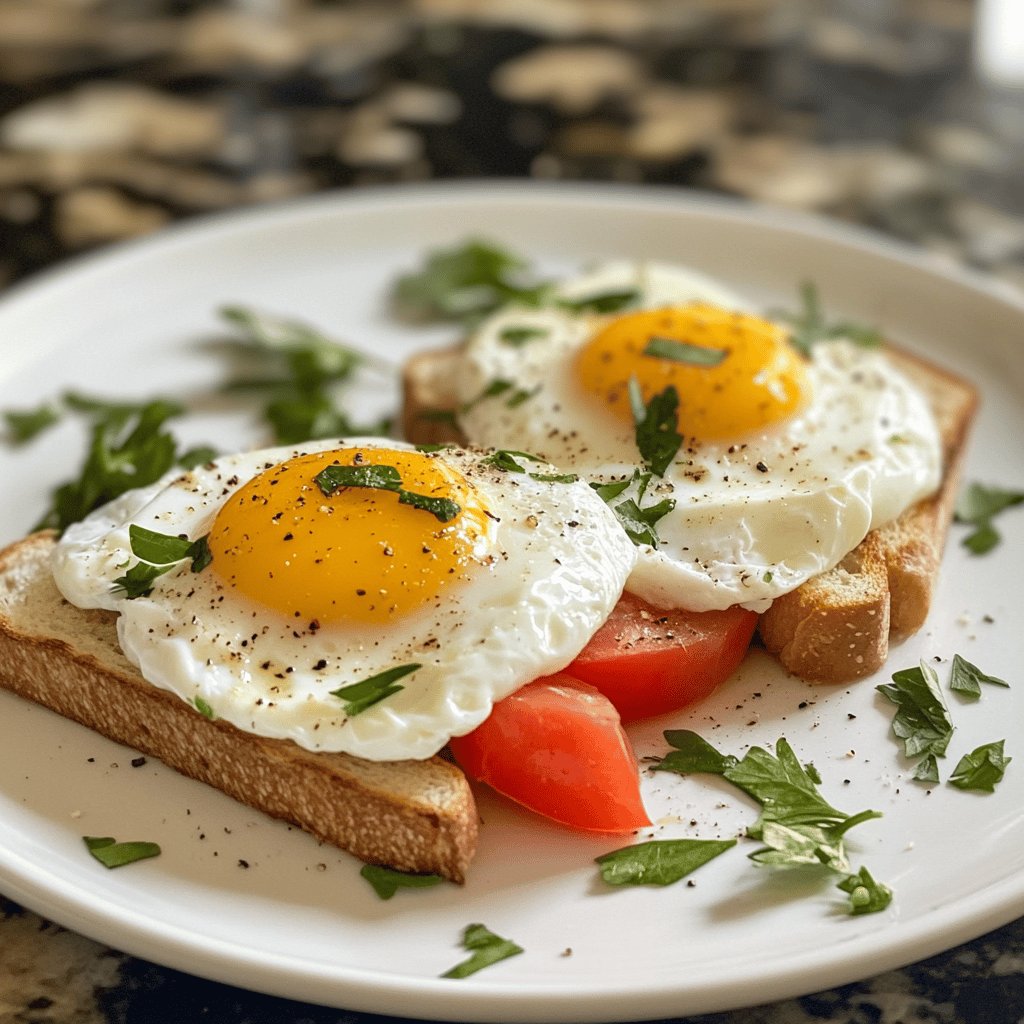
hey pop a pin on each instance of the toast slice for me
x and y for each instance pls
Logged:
(411, 815)
(838, 626)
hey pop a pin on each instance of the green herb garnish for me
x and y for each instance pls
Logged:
(977, 506)
(639, 521)
(112, 854)
(384, 478)
(797, 824)
(657, 434)
(684, 352)
(660, 861)
(516, 336)
(357, 697)
(487, 949)
(921, 723)
(203, 707)
(465, 283)
(601, 302)
(966, 679)
(507, 462)
(982, 768)
(159, 553)
(25, 424)
(810, 326)
(387, 881)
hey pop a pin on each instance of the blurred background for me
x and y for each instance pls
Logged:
(120, 116)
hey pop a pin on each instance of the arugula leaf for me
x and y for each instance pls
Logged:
(922, 721)
(659, 861)
(487, 949)
(387, 881)
(810, 326)
(25, 424)
(657, 434)
(966, 678)
(977, 505)
(112, 854)
(357, 697)
(982, 768)
(601, 302)
(464, 283)
(683, 352)
(384, 478)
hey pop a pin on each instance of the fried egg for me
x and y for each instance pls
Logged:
(356, 561)
(785, 462)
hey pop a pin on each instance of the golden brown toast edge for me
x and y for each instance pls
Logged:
(382, 812)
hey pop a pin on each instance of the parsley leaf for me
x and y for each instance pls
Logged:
(112, 854)
(659, 861)
(982, 768)
(810, 326)
(25, 424)
(921, 722)
(487, 949)
(966, 679)
(797, 824)
(204, 708)
(657, 434)
(518, 335)
(977, 505)
(639, 521)
(159, 553)
(384, 478)
(683, 352)
(601, 302)
(357, 697)
(300, 368)
(506, 461)
(464, 283)
(387, 881)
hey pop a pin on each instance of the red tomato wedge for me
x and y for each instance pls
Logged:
(647, 661)
(557, 747)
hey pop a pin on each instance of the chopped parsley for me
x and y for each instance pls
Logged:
(982, 768)
(797, 825)
(659, 861)
(684, 352)
(977, 506)
(966, 679)
(203, 707)
(809, 326)
(639, 521)
(159, 553)
(506, 461)
(387, 881)
(384, 478)
(25, 424)
(517, 335)
(357, 697)
(657, 426)
(486, 948)
(465, 283)
(602, 302)
(921, 723)
(112, 854)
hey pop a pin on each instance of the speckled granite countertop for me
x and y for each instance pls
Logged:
(118, 117)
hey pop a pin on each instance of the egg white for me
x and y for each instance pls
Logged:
(755, 516)
(559, 565)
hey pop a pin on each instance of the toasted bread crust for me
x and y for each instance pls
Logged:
(411, 815)
(836, 627)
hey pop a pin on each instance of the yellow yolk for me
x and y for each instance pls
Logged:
(733, 372)
(356, 554)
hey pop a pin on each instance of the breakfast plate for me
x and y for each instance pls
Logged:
(242, 899)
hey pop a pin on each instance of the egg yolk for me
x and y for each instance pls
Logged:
(733, 373)
(361, 554)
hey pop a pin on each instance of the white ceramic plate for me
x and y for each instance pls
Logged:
(298, 921)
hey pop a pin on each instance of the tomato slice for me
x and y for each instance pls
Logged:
(557, 747)
(647, 661)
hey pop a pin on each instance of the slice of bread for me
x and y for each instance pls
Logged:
(836, 627)
(411, 815)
